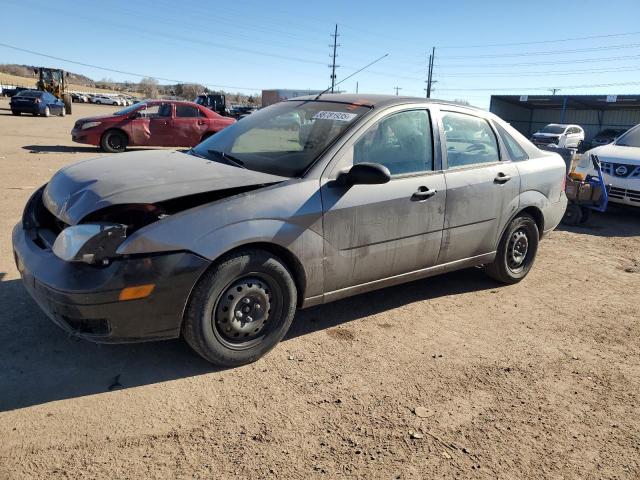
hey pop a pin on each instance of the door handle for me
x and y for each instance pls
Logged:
(423, 193)
(200, 122)
(501, 178)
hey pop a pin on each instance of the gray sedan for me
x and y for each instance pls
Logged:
(222, 243)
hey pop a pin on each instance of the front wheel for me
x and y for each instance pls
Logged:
(113, 141)
(63, 112)
(47, 112)
(14, 112)
(516, 251)
(241, 308)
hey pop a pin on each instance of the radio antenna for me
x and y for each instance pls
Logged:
(354, 73)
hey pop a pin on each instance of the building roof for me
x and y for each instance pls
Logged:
(574, 102)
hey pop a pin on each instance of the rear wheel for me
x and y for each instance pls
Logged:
(13, 112)
(516, 251)
(113, 141)
(572, 215)
(241, 308)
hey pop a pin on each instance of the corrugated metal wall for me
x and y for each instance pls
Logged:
(529, 121)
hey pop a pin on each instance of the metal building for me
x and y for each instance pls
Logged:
(270, 97)
(529, 113)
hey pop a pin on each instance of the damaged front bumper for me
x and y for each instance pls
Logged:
(85, 301)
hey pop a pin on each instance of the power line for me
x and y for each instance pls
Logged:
(113, 70)
(551, 52)
(522, 64)
(542, 74)
(564, 87)
(539, 42)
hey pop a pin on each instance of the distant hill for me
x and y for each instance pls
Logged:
(28, 71)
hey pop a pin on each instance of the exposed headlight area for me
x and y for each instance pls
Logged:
(94, 243)
(88, 125)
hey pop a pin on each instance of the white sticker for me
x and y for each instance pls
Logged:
(612, 98)
(338, 116)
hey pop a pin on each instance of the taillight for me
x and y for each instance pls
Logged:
(564, 182)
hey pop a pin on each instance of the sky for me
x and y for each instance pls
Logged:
(482, 48)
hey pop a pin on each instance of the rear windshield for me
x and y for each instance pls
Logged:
(557, 129)
(30, 93)
(284, 139)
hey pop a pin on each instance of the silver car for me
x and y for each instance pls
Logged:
(222, 243)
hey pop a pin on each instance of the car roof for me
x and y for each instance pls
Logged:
(377, 100)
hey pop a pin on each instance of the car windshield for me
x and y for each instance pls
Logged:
(283, 139)
(631, 138)
(129, 109)
(30, 94)
(557, 129)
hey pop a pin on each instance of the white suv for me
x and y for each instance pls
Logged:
(620, 162)
(559, 135)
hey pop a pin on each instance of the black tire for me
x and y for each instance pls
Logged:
(586, 215)
(68, 100)
(211, 325)
(13, 112)
(572, 215)
(113, 141)
(516, 251)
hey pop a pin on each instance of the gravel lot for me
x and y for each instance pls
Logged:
(454, 376)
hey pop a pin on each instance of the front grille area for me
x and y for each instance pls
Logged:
(91, 326)
(621, 170)
(545, 140)
(622, 193)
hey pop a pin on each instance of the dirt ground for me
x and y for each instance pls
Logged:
(450, 377)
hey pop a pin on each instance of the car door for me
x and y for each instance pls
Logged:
(188, 126)
(374, 232)
(482, 190)
(152, 125)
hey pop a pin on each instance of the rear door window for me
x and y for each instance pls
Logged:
(469, 140)
(187, 111)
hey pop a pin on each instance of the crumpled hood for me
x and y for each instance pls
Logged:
(140, 177)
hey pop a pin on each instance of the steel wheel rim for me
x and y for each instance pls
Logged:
(115, 142)
(517, 250)
(246, 311)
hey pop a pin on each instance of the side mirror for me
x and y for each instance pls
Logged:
(364, 174)
(134, 115)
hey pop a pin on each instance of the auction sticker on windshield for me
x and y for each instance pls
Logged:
(339, 116)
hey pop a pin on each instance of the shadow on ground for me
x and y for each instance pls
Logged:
(40, 363)
(60, 149)
(617, 221)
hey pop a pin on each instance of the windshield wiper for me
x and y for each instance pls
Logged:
(228, 158)
(193, 152)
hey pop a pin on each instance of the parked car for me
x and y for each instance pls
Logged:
(36, 102)
(161, 123)
(606, 136)
(79, 98)
(562, 136)
(10, 92)
(620, 163)
(104, 100)
(223, 242)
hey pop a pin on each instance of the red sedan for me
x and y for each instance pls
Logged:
(157, 123)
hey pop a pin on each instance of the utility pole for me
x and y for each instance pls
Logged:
(357, 87)
(430, 80)
(333, 65)
(554, 90)
(397, 89)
